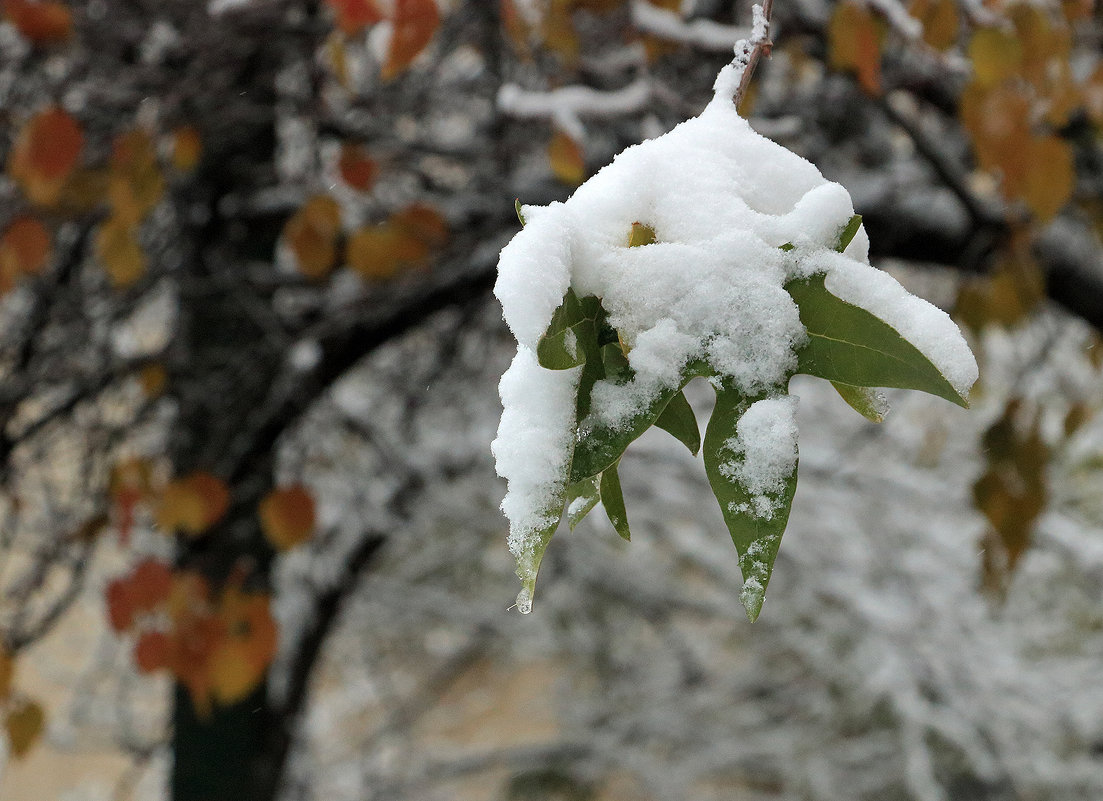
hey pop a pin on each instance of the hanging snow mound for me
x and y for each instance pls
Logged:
(732, 222)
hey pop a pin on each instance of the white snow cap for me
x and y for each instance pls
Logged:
(721, 199)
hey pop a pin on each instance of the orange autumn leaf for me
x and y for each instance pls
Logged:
(45, 154)
(196, 636)
(150, 584)
(566, 159)
(311, 235)
(128, 485)
(120, 605)
(192, 504)
(238, 663)
(24, 247)
(43, 22)
(854, 38)
(415, 22)
(379, 252)
(152, 651)
(24, 723)
(287, 517)
(119, 253)
(517, 30)
(354, 15)
(187, 148)
(422, 222)
(356, 168)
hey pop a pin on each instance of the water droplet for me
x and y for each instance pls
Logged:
(524, 601)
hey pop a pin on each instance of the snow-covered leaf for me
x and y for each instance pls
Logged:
(849, 345)
(581, 498)
(753, 473)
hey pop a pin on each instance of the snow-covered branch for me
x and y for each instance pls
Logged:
(568, 105)
(701, 33)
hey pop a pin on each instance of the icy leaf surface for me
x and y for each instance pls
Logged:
(709, 251)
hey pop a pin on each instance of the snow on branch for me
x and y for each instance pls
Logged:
(898, 17)
(748, 52)
(568, 105)
(701, 33)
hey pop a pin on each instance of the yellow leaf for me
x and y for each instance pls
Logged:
(119, 253)
(855, 38)
(382, 251)
(192, 504)
(238, 663)
(567, 161)
(187, 148)
(940, 21)
(996, 56)
(24, 723)
(1050, 178)
(135, 184)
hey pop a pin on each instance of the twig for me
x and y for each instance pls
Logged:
(748, 52)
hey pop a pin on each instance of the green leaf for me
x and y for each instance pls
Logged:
(678, 419)
(641, 235)
(565, 349)
(589, 492)
(756, 536)
(613, 500)
(849, 345)
(600, 445)
(528, 565)
(517, 208)
(867, 402)
(846, 236)
(615, 363)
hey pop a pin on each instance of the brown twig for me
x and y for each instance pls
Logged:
(750, 51)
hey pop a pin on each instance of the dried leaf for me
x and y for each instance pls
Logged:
(135, 184)
(24, 247)
(152, 651)
(45, 154)
(940, 21)
(566, 159)
(353, 16)
(311, 234)
(187, 148)
(855, 38)
(24, 722)
(287, 517)
(996, 55)
(43, 22)
(356, 168)
(119, 253)
(415, 22)
(192, 504)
